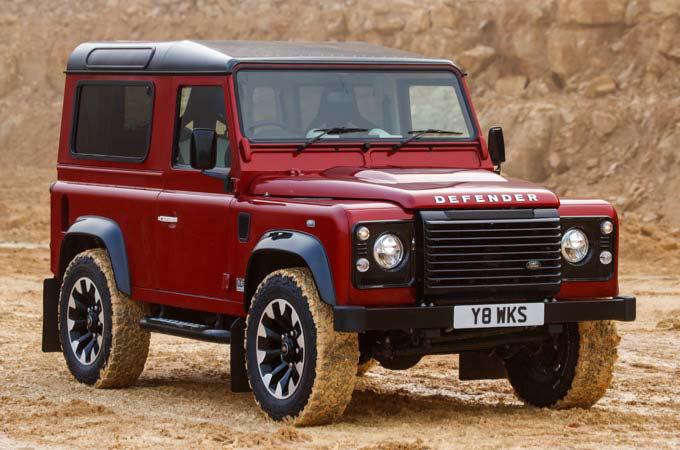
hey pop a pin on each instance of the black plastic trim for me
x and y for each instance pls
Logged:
(111, 235)
(50, 329)
(590, 269)
(360, 319)
(509, 285)
(121, 58)
(243, 226)
(377, 277)
(76, 109)
(175, 328)
(307, 247)
(237, 357)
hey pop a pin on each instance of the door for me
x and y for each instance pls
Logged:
(194, 223)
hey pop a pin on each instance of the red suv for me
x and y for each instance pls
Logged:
(318, 207)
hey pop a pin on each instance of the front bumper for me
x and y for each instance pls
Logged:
(359, 318)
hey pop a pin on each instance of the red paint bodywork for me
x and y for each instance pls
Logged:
(336, 185)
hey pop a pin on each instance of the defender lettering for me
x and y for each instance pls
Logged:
(486, 198)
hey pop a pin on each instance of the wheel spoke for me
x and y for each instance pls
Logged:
(81, 342)
(298, 371)
(92, 291)
(78, 324)
(269, 334)
(267, 356)
(83, 286)
(285, 380)
(276, 374)
(88, 350)
(278, 315)
(287, 315)
(78, 302)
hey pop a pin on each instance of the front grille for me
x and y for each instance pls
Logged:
(476, 254)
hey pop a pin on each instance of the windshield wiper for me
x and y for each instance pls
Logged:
(415, 134)
(325, 131)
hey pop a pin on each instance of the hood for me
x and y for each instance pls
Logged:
(411, 188)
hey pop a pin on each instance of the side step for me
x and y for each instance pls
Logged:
(186, 329)
(234, 336)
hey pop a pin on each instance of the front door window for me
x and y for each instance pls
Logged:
(202, 107)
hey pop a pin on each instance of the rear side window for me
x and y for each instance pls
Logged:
(113, 120)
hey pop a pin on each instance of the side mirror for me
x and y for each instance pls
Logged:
(203, 149)
(496, 145)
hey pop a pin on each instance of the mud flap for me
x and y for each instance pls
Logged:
(50, 331)
(237, 357)
(480, 366)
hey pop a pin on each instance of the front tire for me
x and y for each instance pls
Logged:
(572, 371)
(299, 368)
(101, 339)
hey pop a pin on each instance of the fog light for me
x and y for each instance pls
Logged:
(606, 257)
(363, 233)
(606, 227)
(363, 264)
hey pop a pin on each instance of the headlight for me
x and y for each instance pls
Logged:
(388, 251)
(574, 245)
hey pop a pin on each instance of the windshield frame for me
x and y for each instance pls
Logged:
(466, 107)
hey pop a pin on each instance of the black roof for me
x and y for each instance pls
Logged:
(222, 56)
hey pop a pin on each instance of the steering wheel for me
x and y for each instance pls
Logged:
(271, 123)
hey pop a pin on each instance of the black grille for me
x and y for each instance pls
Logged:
(480, 253)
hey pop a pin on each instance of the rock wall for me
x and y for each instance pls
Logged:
(587, 91)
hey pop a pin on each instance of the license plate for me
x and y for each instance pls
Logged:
(506, 315)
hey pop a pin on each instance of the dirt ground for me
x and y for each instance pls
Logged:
(182, 399)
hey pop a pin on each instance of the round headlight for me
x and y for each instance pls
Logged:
(388, 251)
(574, 245)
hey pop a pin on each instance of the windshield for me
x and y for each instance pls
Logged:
(383, 105)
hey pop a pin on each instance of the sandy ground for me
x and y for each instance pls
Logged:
(183, 400)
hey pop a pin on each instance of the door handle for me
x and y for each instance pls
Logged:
(167, 219)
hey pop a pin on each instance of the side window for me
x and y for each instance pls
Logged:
(201, 107)
(113, 120)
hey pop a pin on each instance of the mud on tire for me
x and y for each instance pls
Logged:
(314, 387)
(574, 371)
(114, 353)
(364, 367)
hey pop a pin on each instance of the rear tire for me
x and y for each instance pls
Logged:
(299, 368)
(572, 371)
(99, 330)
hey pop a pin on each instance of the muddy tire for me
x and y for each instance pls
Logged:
(99, 330)
(364, 367)
(299, 368)
(572, 371)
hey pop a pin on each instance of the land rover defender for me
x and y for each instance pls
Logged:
(319, 207)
